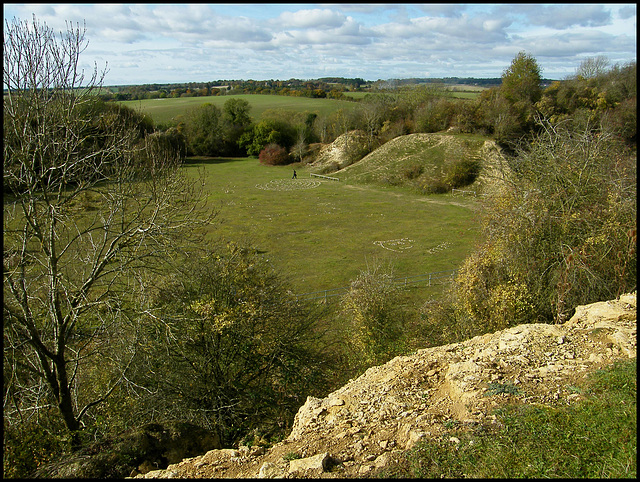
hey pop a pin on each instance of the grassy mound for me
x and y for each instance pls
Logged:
(430, 163)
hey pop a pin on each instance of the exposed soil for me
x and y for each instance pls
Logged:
(365, 425)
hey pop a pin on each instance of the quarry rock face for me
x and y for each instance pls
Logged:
(336, 154)
(366, 425)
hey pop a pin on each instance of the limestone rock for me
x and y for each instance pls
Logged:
(316, 464)
(368, 422)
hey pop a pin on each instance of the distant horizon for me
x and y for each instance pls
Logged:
(544, 79)
(181, 43)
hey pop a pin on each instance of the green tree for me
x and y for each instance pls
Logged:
(521, 80)
(521, 89)
(266, 132)
(236, 112)
(229, 347)
(235, 121)
(91, 205)
(202, 128)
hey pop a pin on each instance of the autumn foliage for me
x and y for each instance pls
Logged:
(274, 155)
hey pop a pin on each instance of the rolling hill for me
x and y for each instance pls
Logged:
(413, 160)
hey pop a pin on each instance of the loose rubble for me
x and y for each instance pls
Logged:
(367, 424)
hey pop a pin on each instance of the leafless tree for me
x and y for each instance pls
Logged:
(593, 67)
(92, 207)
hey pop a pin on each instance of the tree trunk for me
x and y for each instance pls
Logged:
(65, 403)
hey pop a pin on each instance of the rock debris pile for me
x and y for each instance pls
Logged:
(365, 425)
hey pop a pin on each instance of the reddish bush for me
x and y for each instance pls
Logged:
(274, 155)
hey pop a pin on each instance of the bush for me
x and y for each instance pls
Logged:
(560, 234)
(490, 297)
(371, 310)
(435, 115)
(141, 449)
(413, 171)
(274, 155)
(28, 446)
(462, 173)
(230, 347)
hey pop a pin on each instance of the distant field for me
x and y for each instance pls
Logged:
(320, 234)
(457, 91)
(166, 111)
(465, 95)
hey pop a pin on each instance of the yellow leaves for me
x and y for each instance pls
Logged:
(208, 310)
(510, 304)
(204, 308)
(491, 295)
(599, 239)
(221, 318)
(221, 321)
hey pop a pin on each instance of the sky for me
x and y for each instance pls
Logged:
(176, 43)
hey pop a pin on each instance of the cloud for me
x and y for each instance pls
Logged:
(478, 30)
(443, 10)
(315, 18)
(627, 12)
(565, 16)
(174, 42)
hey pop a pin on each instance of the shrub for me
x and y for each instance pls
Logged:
(490, 296)
(229, 347)
(434, 185)
(371, 309)
(435, 115)
(463, 173)
(413, 171)
(561, 233)
(274, 155)
(28, 446)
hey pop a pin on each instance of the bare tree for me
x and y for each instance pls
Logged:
(92, 206)
(593, 67)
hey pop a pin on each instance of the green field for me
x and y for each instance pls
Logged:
(166, 111)
(320, 234)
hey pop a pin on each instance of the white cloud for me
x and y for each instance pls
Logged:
(316, 18)
(566, 16)
(145, 43)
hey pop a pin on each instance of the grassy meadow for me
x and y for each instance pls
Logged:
(319, 234)
(167, 111)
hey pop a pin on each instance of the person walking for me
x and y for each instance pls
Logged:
(295, 176)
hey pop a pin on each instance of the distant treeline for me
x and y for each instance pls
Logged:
(329, 87)
(326, 87)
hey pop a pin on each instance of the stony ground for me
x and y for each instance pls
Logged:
(362, 427)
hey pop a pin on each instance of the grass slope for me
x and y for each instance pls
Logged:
(413, 160)
(167, 111)
(594, 438)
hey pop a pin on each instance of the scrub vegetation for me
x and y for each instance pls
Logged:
(151, 266)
